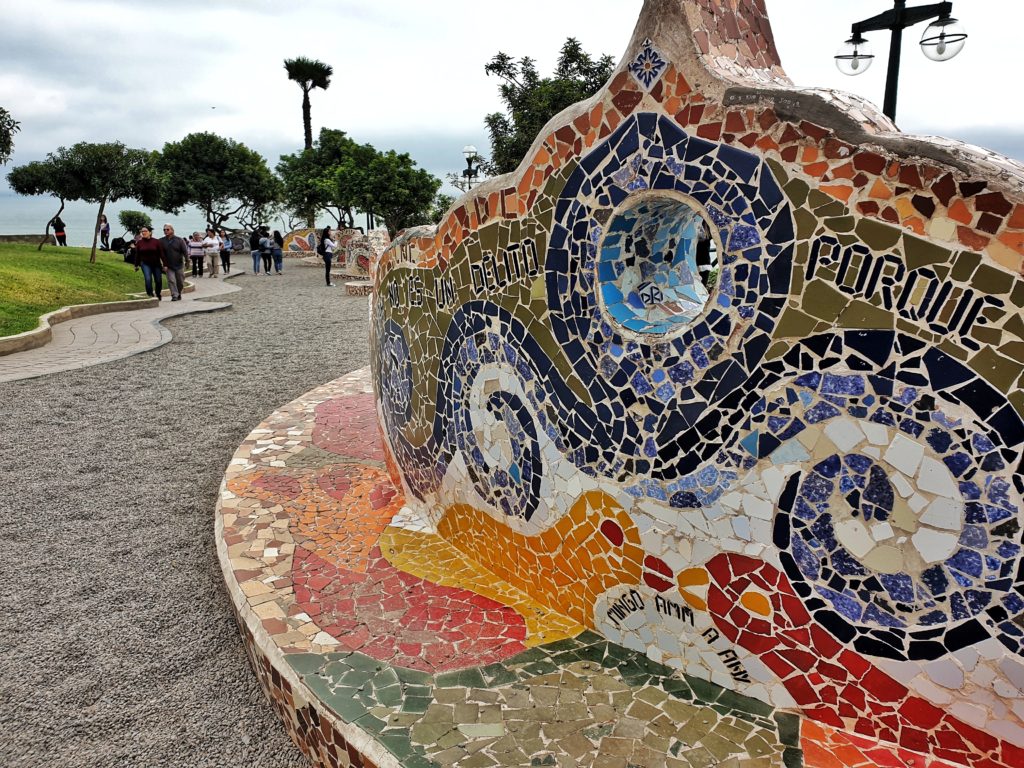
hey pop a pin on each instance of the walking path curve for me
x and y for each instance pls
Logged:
(111, 336)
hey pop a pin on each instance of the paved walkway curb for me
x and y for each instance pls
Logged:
(43, 333)
(90, 334)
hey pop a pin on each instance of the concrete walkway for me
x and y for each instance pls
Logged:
(120, 645)
(111, 336)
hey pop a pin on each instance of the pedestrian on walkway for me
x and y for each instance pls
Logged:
(254, 248)
(266, 250)
(325, 247)
(211, 244)
(226, 246)
(175, 255)
(59, 231)
(197, 254)
(277, 251)
(149, 255)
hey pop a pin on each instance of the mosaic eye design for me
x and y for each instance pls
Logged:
(655, 266)
(628, 224)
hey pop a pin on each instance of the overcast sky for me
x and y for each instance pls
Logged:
(409, 74)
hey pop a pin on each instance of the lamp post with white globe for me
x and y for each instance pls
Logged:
(942, 40)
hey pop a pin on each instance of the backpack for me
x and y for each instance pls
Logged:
(321, 246)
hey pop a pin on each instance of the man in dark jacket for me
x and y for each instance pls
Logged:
(175, 255)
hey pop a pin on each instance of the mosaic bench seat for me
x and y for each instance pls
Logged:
(382, 645)
(694, 441)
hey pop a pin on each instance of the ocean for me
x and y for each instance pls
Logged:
(28, 216)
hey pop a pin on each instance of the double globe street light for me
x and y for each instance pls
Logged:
(942, 40)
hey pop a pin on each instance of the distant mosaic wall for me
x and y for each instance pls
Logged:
(355, 248)
(731, 373)
(300, 242)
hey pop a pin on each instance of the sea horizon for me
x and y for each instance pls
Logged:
(24, 215)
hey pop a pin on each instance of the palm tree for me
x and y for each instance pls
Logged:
(309, 74)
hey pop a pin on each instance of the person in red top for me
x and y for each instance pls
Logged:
(149, 255)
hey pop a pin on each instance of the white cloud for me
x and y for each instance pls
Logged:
(409, 74)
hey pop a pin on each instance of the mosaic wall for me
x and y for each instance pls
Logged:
(355, 249)
(730, 374)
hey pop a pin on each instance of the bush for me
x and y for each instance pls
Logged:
(134, 221)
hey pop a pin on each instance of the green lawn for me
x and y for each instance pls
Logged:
(33, 283)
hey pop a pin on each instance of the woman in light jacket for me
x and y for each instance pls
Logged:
(211, 246)
(326, 249)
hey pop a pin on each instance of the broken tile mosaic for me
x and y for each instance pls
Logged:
(699, 443)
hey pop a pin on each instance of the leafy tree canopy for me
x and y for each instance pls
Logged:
(221, 177)
(8, 127)
(532, 100)
(311, 181)
(341, 176)
(440, 207)
(94, 173)
(397, 192)
(134, 221)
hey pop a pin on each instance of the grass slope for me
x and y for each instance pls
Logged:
(33, 283)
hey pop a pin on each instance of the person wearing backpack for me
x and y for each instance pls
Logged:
(226, 246)
(325, 247)
(254, 248)
(266, 250)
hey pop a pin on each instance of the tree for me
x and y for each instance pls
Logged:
(397, 192)
(94, 173)
(330, 177)
(310, 178)
(109, 172)
(340, 176)
(221, 177)
(309, 74)
(440, 207)
(134, 221)
(8, 127)
(531, 100)
(44, 177)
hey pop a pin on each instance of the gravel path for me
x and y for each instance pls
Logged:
(118, 646)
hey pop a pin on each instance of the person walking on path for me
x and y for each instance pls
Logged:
(59, 231)
(211, 244)
(197, 253)
(266, 250)
(149, 255)
(254, 248)
(104, 233)
(325, 247)
(277, 251)
(175, 254)
(226, 246)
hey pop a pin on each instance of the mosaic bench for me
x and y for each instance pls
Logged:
(695, 441)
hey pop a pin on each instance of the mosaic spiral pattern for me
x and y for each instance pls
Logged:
(898, 576)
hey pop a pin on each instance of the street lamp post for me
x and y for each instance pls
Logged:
(472, 169)
(942, 40)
